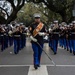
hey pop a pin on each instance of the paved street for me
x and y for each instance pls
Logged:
(22, 63)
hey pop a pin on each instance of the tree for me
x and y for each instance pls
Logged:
(29, 10)
(14, 5)
(63, 7)
(48, 13)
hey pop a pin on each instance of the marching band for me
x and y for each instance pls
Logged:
(62, 35)
(13, 34)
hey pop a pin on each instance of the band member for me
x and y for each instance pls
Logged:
(23, 36)
(70, 38)
(67, 37)
(37, 30)
(55, 36)
(50, 37)
(17, 38)
(10, 37)
(2, 31)
(61, 37)
(64, 37)
(6, 37)
(73, 37)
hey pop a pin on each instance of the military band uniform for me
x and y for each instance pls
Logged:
(36, 48)
(55, 39)
(17, 38)
(37, 30)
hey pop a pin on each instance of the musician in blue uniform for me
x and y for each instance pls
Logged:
(50, 37)
(37, 30)
(73, 37)
(6, 38)
(2, 38)
(17, 38)
(10, 37)
(55, 36)
(70, 38)
(23, 36)
(61, 37)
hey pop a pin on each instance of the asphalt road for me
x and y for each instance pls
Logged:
(11, 64)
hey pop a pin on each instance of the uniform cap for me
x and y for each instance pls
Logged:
(70, 24)
(73, 21)
(37, 15)
(17, 25)
(65, 25)
(56, 21)
(21, 23)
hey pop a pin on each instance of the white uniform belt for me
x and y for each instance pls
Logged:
(73, 33)
(55, 33)
(17, 35)
(25, 33)
(5, 34)
(1, 35)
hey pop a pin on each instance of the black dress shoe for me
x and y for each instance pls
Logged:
(36, 67)
(64, 48)
(15, 52)
(55, 53)
(70, 51)
(74, 52)
(67, 50)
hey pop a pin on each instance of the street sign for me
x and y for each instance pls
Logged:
(73, 13)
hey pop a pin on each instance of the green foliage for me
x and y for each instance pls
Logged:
(29, 10)
(62, 7)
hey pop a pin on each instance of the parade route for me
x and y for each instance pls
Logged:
(37, 37)
(22, 63)
(43, 70)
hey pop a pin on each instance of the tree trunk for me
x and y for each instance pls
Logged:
(12, 17)
(2, 20)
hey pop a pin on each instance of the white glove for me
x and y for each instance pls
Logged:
(42, 33)
(33, 39)
(10, 32)
(50, 30)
